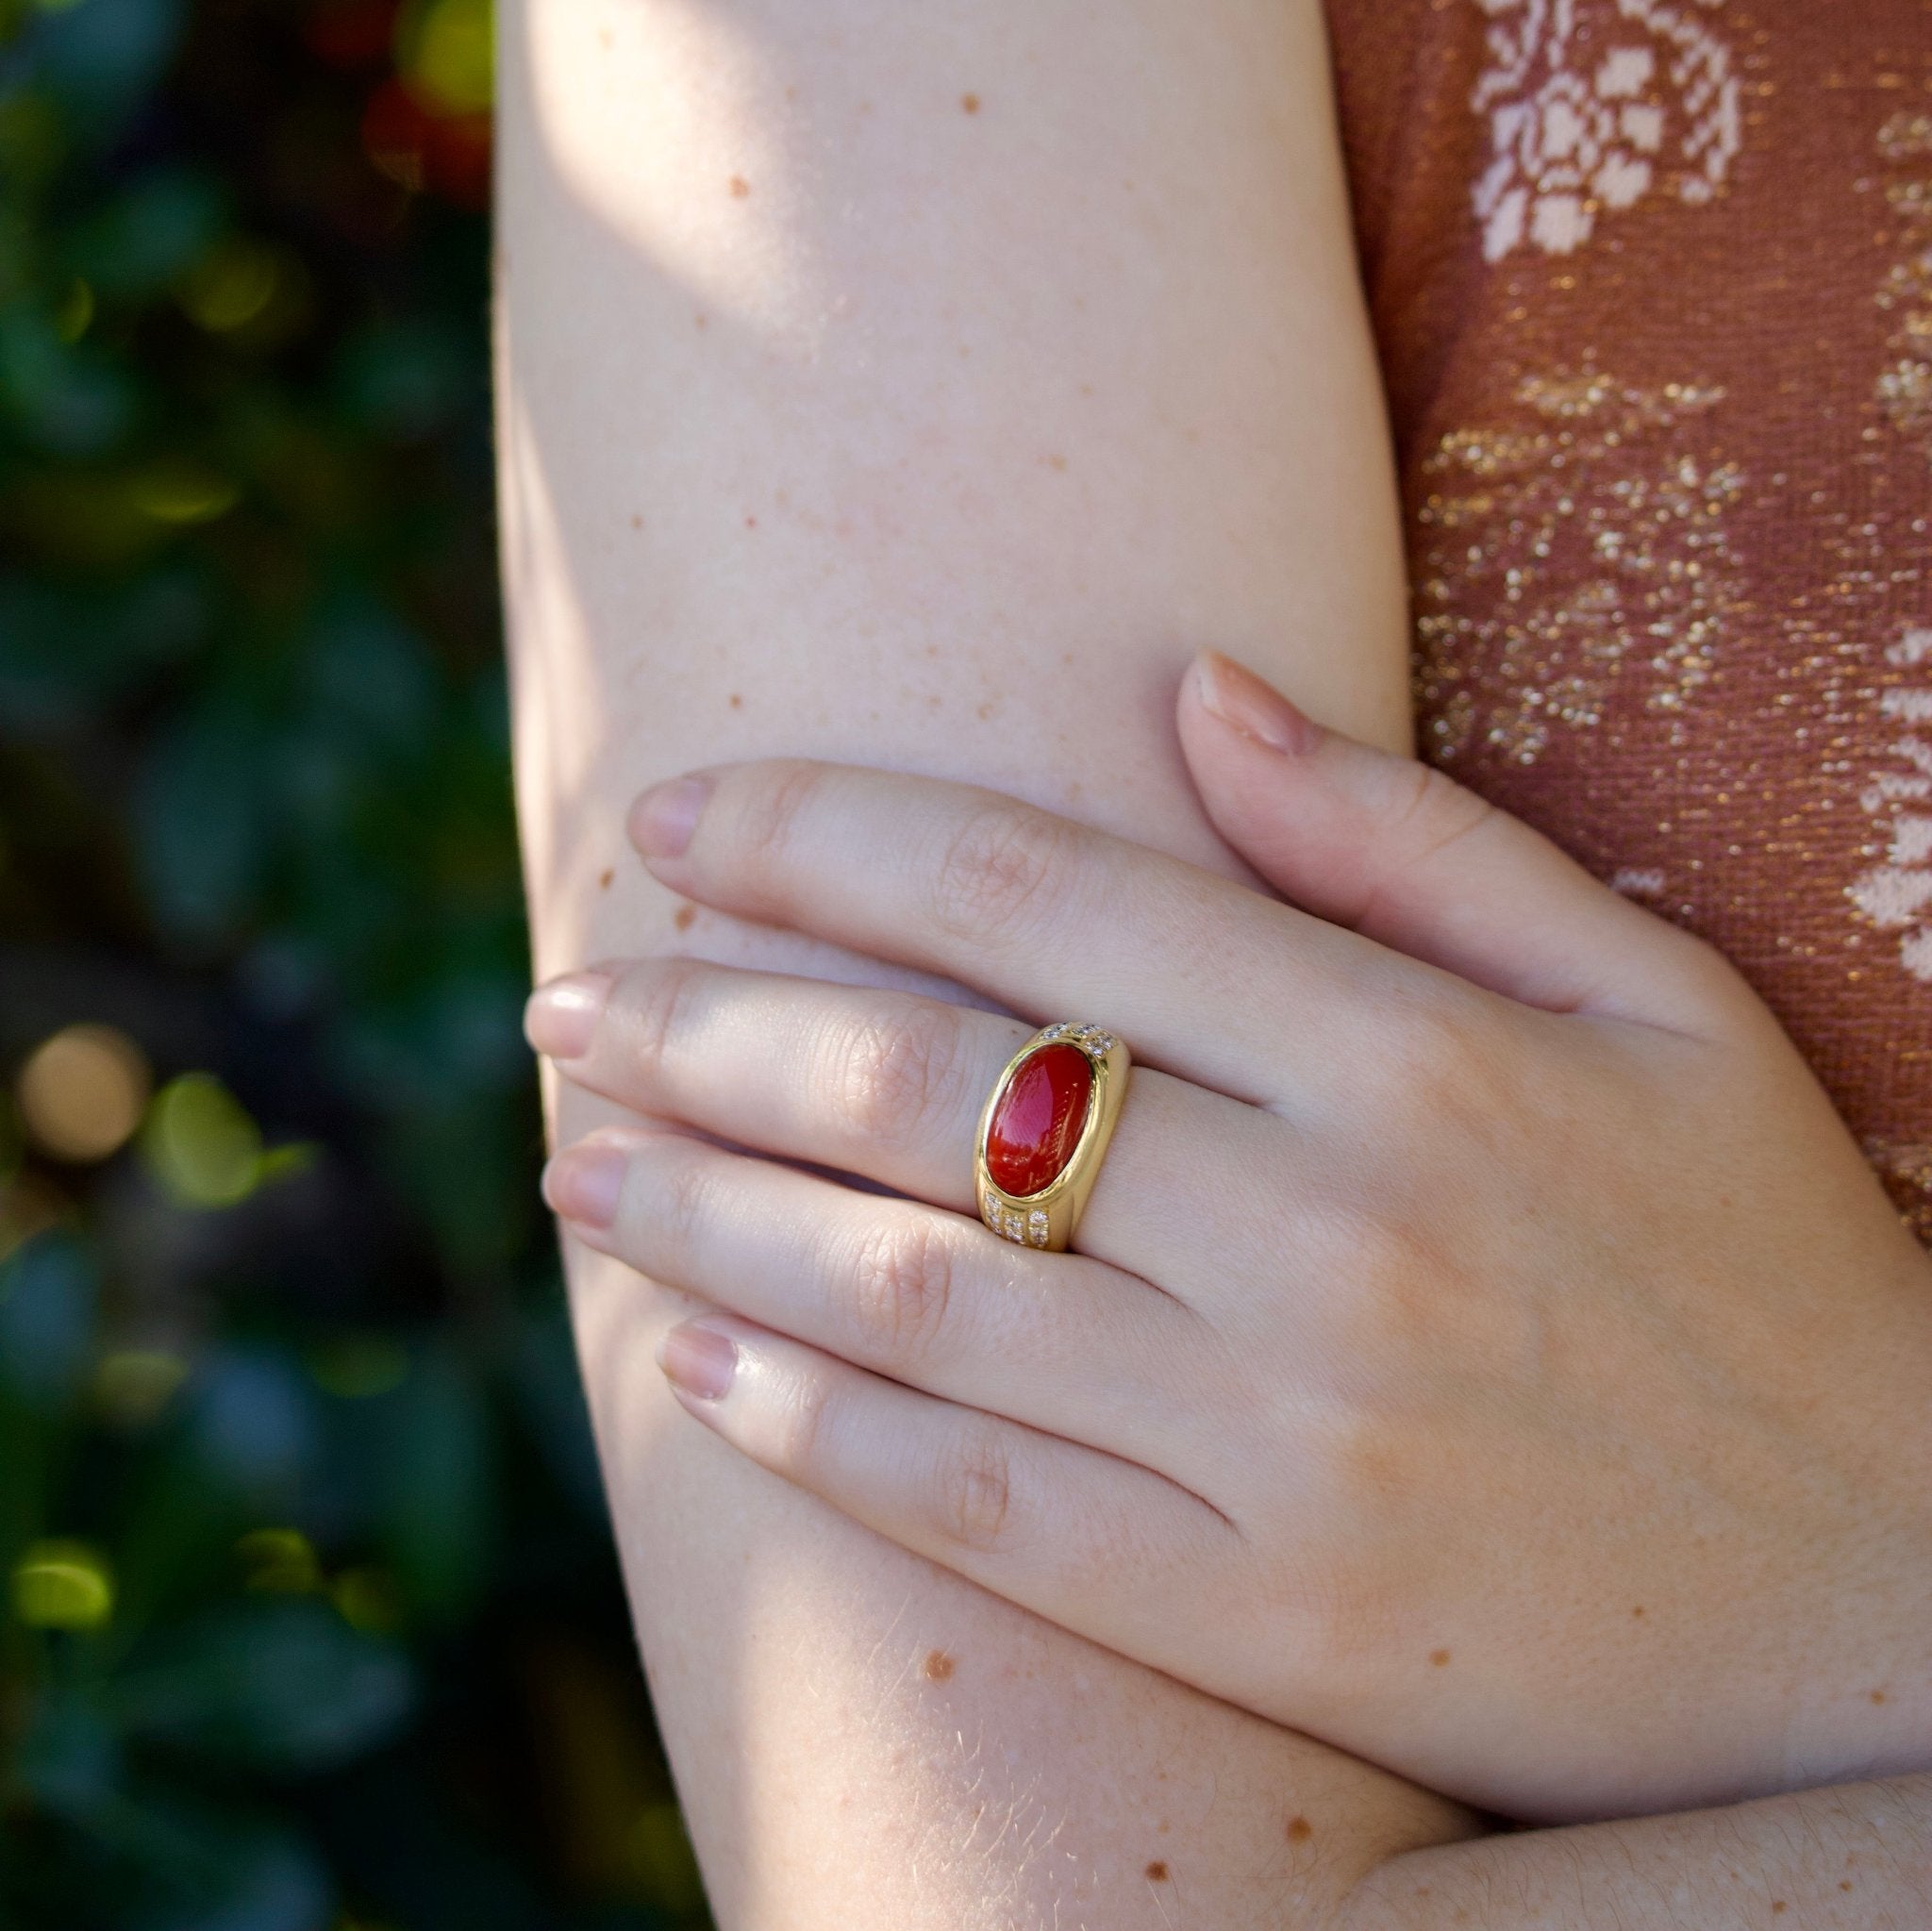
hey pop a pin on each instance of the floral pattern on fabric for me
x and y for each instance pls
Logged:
(1592, 106)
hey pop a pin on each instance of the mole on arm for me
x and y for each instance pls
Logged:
(1439, 1657)
(738, 700)
(969, 103)
(1157, 1872)
(938, 1667)
(683, 917)
(740, 186)
(605, 877)
(1299, 1830)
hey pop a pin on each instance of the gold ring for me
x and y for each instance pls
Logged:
(1044, 1132)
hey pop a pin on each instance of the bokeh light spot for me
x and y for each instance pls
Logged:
(366, 1600)
(661, 1856)
(354, 1367)
(76, 310)
(200, 1143)
(81, 1094)
(281, 1561)
(63, 1584)
(445, 50)
(228, 289)
(133, 1385)
(183, 492)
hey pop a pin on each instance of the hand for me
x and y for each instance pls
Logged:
(1485, 1348)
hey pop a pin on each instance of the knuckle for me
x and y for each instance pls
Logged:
(659, 999)
(972, 1499)
(772, 811)
(802, 1425)
(901, 1073)
(999, 872)
(681, 1205)
(902, 1287)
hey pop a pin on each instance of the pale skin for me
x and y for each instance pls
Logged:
(844, 418)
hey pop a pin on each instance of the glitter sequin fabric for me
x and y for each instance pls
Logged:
(1652, 283)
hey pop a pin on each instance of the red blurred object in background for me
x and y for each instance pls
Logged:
(351, 33)
(447, 153)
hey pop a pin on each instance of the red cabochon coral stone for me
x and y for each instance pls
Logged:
(1037, 1123)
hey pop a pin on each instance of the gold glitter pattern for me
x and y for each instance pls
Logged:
(1664, 431)
(1573, 550)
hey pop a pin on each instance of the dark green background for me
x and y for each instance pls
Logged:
(366, 1662)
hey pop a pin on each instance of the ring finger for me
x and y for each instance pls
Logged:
(890, 1086)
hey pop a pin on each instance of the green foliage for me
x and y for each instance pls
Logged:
(308, 1615)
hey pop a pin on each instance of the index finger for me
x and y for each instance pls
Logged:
(1057, 920)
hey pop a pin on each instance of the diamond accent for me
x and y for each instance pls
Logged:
(1037, 1228)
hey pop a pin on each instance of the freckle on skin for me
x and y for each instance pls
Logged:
(701, 320)
(1055, 462)
(970, 102)
(1778, 1908)
(938, 1667)
(751, 523)
(1157, 1872)
(738, 700)
(1878, 1696)
(1638, 1610)
(1439, 1656)
(740, 186)
(683, 916)
(1844, 1884)
(637, 521)
(604, 876)
(1299, 1830)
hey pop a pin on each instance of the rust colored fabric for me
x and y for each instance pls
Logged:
(1652, 282)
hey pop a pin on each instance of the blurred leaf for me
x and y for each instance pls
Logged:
(276, 1685)
(200, 818)
(48, 1291)
(97, 57)
(66, 399)
(63, 1584)
(69, 1755)
(65, 651)
(252, 1422)
(404, 379)
(436, 1486)
(150, 232)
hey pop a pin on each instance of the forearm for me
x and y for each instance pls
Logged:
(848, 415)
(1857, 1855)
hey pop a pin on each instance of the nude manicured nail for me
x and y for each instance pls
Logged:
(560, 1018)
(1240, 700)
(583, 1182)
(663, 821)
(699, 1360)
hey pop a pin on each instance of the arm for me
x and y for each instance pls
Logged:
(918, 384)
(1857, 1857)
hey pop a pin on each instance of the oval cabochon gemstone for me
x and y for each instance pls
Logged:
(1037, 1123)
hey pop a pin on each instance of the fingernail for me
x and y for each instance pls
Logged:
(582, 1183)
(699, 1360)
(560, 1018)
(1257, 710)
(663, 821)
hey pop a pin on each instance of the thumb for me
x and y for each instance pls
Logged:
(1405, 856)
